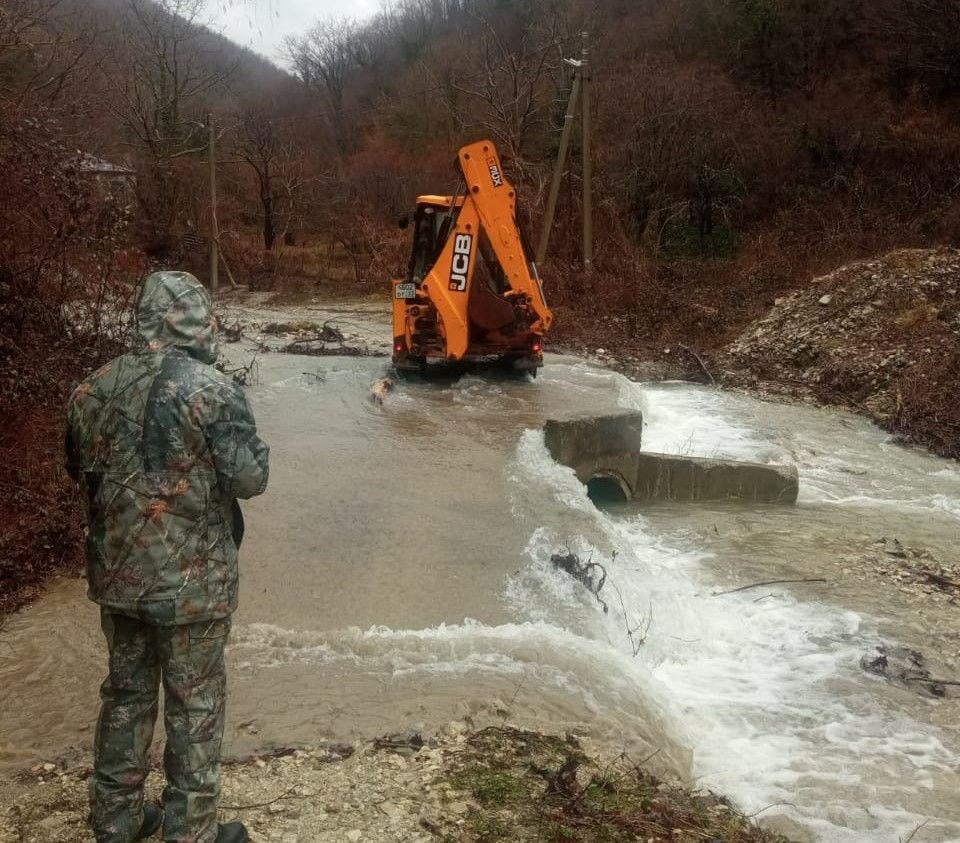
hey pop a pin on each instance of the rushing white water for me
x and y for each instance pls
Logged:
(769, 694)
(769, 691)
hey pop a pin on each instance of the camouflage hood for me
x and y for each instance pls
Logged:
(175, 310)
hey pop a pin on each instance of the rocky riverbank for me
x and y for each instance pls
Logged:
(494, 784)
(879, 336)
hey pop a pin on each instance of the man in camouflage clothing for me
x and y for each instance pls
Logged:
(163, 445)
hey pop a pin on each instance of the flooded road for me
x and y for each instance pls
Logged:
(398, 573)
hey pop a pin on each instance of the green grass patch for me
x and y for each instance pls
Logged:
(491, 786)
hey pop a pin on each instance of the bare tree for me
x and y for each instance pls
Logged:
(267, 149)
(323, 60)
(37, 54)
(511, 93)
(163, 75)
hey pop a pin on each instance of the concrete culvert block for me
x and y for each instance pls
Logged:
(666, 477)
(577, 440)
(604, 451)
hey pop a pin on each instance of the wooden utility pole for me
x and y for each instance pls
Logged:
(551, 206)
(587, 162)
(214, 226)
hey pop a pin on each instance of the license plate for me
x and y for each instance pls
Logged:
(406, 291)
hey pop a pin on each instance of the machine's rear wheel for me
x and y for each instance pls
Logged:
(521, 364)
(407, 365)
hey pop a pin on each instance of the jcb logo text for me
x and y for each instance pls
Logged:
(460, 268)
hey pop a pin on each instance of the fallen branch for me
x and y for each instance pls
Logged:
(242, 375)
(914, 832)
(637, 765)
(641, 630)
(582, 572)
(766, 582)
(513, 699)
(338, 347)
(768, 807)
(699, 359)
(287, 794)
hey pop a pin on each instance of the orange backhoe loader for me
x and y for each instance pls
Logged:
(471, 294)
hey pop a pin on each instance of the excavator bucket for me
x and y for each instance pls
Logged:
(471, 293)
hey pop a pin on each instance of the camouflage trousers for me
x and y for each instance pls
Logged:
(188, 659)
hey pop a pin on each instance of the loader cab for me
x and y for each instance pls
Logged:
(432, 223)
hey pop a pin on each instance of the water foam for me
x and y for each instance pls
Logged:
(538, 654)
(768, 690)
(763, 689)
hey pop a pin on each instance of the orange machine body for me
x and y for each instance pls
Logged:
(471, 292)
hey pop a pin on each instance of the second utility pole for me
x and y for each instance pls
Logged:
(214, 226)
(587, 162)
(547, 225)
(581, 82)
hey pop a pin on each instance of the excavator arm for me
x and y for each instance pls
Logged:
(481, 290)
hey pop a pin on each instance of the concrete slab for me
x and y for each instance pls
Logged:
(649, 477)
(604, 451)
(572, 441)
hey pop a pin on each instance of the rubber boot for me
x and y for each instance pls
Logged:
(232, 833)
(152, 820)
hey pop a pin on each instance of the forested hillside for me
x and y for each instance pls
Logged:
(740, 144)
(740, 147)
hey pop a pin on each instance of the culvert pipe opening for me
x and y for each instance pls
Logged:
(606, 489)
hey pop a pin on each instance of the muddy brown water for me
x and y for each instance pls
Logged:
(397, 573)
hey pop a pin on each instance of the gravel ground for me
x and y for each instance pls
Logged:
(334, 793)
(493, 784)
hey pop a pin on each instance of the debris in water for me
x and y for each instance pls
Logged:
(380, 390)
(406, 743)
(583, 573)
(309, 347)
(905, 665)
(325, 332)
(232, 333)
(241, 375)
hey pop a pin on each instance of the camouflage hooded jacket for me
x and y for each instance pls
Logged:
(163, 445)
